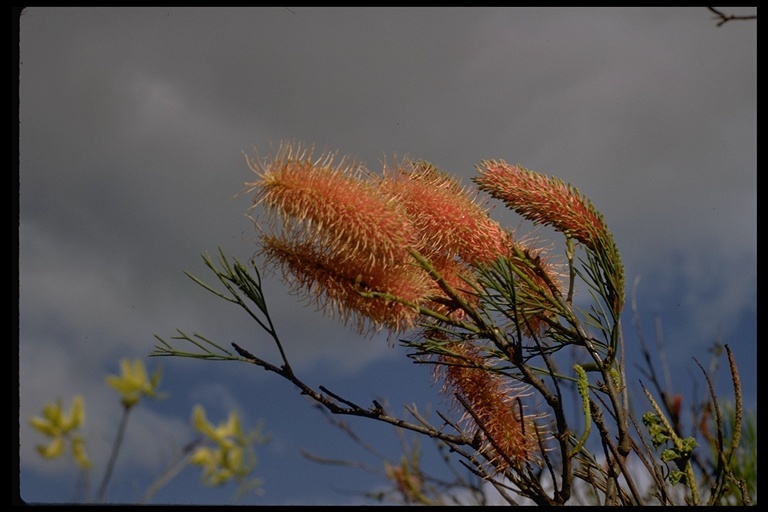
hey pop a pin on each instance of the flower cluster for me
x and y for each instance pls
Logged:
(412, 247)
(60, 427)
(228, 452)
(346, 237)
(133, 383)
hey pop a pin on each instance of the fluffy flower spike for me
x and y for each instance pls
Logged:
(450, 222)
(332, 205)
(335, 234)
(551, 202)
(510, 435)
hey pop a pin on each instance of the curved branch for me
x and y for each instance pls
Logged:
(330, 402)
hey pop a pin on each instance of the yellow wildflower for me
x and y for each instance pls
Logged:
(229, 455)
(134, 383)
(58, 426)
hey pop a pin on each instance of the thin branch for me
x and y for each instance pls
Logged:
(173, 469)
(724, 18)
(113, 455)
(723, 470)
(352, 409)
(618, 457)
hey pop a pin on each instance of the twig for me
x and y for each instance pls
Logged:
(719, 15)
(597, 417)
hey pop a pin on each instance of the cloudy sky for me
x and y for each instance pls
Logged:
(133, 126)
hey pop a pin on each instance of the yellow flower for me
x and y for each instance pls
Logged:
(78, 452)
(229, 454)
(134, 382)
(59, 425)
(220, 434)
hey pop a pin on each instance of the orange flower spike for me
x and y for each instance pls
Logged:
(543, 200)
(333, 284)
(448, 220)
(493, 404)
(551, 202)
(332, 206)
(451, 223)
